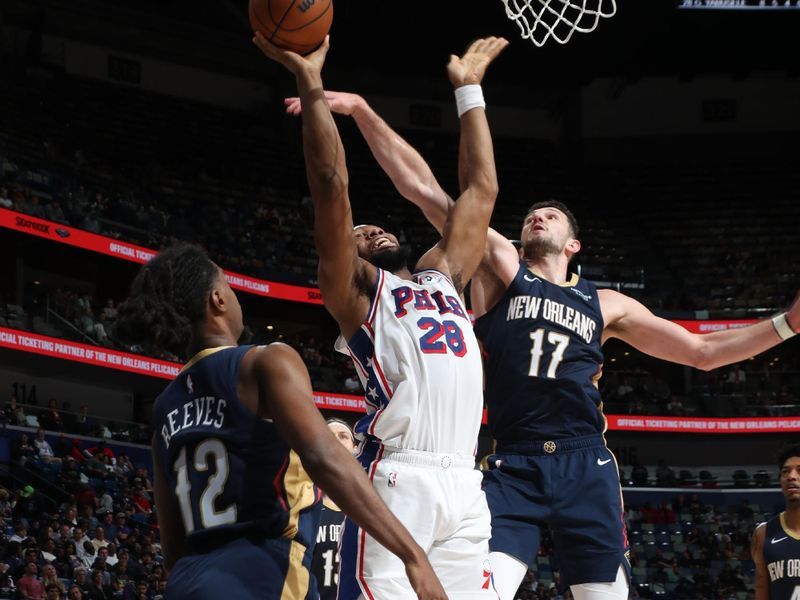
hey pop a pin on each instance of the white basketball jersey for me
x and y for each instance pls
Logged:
(420, 365)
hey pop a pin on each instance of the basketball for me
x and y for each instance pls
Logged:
(296, 25)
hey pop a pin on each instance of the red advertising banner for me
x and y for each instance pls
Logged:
(142, 365)
(712, 326)
(703, 425)
(25, 341)
(79, 238)
(83, 353)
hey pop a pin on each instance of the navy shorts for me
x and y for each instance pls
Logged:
(570, 485)
(245, 570)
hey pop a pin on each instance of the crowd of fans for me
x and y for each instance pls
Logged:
(683, 550)
(78, 523)
(64, 421)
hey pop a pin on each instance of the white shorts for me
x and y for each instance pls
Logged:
(439, 499)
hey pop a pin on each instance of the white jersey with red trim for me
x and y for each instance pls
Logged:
(420, 365)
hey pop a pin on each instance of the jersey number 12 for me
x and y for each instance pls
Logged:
(214, 450)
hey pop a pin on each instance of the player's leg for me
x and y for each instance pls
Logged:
(588, 527)
(365, 566)
(460, 554)
(514, 486)
(507, 573)
(618, 590)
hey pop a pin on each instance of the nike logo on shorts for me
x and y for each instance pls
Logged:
(600, 463)
(776, 540)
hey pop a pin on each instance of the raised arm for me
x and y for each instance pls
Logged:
(630, 321)
(464, 236)
(344, 279)
(410, 174)
(285, 389)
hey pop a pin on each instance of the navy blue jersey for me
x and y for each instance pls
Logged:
(231, 471)
(543, 358)
(782, 558)
(325, 564)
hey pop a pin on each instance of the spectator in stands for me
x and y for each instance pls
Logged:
(99, 539)
(29, 586)
(80, 538)
(675, 406)
(5, 199)
(109, 314)
(82, 580)
(111, 554)
(28, 505)
(141, 504)
(109, 526)
(14, 412)
(639, 475)
(88, 554)
(24, 449)
(44, 449)
(98, 590)
(52, 591)
(665, 477)
(50, 577)
(104, 502)
(51, 418)
(75, 593)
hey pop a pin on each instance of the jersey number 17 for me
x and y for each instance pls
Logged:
(559, 341)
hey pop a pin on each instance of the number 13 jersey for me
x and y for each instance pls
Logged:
(542, 346)
(230, 470)
(420, 366)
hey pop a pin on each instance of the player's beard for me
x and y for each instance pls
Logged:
(537, 247)
(392, 260)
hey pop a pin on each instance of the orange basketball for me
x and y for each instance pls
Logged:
(296, 25)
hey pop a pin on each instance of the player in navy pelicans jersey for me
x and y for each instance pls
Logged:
(776, 544)
(413, 345)
(542, 329)
(237, 510)
(325, 564)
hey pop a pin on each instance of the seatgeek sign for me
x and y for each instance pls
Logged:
(109, 246)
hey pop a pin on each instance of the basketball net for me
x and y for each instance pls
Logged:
(540, 20)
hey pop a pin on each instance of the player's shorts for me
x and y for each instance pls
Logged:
(570, 485)
(245, 569)
(439, 500)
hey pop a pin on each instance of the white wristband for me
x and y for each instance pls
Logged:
(469, 97)
(781, 325)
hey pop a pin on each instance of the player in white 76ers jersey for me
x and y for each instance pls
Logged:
(413, 345)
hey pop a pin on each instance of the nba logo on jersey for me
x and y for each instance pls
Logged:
(190, 384)
(428, 277)
(392, 479)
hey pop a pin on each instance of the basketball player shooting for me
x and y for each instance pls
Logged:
(542, 329)
(412, 342)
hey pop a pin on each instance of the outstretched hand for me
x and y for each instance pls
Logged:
(342, 103)
(297, 64)
(793, 314)
(471, 67)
